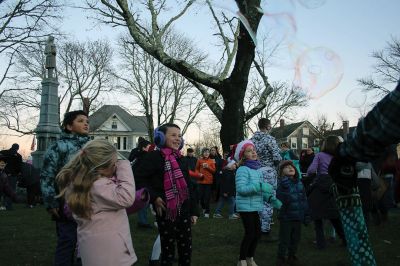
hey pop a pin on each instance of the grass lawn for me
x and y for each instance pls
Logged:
(27, 237)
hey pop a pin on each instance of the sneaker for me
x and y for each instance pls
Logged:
(2, 208)
(206, 215)
(217, 215)
(234, 216)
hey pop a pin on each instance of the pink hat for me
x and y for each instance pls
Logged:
(241, 146)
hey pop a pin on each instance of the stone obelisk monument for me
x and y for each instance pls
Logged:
(48, 130)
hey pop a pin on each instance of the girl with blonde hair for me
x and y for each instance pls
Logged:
(98, 202)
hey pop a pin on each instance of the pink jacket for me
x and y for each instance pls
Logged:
(105, 239)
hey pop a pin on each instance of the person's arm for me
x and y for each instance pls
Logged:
(109, 195)
(211, 167)
(275, 152)
(312, 169)
(377, 130)
(47, 177)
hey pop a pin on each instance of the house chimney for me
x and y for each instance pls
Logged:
(281, 123)
(345, 129)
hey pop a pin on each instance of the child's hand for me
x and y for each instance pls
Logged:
(276, 203)
(159, 205)
(194, 219)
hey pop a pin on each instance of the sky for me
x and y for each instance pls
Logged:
(349, 29)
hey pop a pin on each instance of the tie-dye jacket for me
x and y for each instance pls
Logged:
(58, 155)
(267, 149)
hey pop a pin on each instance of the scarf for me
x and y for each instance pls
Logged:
(175, 186)
(252, 164)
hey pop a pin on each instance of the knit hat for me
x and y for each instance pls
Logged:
(284, 163)
(241, 146)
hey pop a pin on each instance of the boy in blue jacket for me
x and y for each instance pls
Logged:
(293, 213)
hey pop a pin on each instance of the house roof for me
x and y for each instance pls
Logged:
(135, 123)
(283, 132)
(339, 132)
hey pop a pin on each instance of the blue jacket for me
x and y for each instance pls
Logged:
(56, 157)
(247, 198)
(294, 201)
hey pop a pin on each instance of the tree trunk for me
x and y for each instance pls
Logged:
(233, 114)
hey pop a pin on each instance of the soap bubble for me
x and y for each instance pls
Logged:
(356, 98)
(312, 4)
(231, 7)
(318, 71)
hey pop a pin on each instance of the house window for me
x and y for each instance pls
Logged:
(304, 143)
(293, 143)
(122, 143)
(306, 131)
(114, 124)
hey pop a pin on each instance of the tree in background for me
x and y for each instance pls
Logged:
(23, 23)
(386, 69)
(229, 83)
(163, 94)
(84, 70)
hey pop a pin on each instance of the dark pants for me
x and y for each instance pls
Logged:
(179, 231)
(252, 233)
(12, 181)
(32, 194)
(289, 238)
(364, 187)
(319, 231)
(66, 243)
(205, 196)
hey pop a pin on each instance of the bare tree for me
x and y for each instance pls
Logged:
(22, 23)
(386, 69)
(323, 126)
(239, 50)
(162, 93)
(84, 72)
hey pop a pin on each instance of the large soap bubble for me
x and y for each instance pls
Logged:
(312, 4)
(318, 71)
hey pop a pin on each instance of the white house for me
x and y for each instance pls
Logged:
(118, 126)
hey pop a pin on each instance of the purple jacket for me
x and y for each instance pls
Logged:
(320, 164)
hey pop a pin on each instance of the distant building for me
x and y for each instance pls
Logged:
(113, 123)
(343, 132)
(300, 135)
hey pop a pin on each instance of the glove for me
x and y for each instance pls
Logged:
(343, 172)
(276, 203)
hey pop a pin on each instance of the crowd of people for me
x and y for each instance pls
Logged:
(89, 193)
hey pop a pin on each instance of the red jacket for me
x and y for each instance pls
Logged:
(207, 172)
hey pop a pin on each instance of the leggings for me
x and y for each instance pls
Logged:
(252, 233)
(179, 231)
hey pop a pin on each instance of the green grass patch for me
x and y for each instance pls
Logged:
(27, 238)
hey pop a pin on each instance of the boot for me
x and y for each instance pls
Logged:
(251, 262)
(242, 263)
(281, 261)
